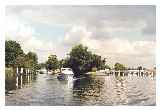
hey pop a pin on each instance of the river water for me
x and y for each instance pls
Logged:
(47, 90)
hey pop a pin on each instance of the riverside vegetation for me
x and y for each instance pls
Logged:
(80, 59)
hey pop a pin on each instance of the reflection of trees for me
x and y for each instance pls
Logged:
(11, 81)
(28, 78)
(120, 78)
(87, 88)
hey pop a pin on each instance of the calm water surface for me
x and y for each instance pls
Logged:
(47, 90)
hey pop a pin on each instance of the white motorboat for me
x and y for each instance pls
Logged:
(66, 74)
(67, 71)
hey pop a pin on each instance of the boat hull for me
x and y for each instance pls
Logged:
(65, 77)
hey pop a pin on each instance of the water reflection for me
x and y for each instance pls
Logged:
(46, 89)
(18, 81)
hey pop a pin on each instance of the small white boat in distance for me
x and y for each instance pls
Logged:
(43, 70)
(50, 72)
(66, 74)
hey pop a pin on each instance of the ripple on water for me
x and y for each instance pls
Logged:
(98, 90)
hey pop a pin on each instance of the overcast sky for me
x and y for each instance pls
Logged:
(125, 34)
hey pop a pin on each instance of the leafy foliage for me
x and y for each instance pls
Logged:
(52, 62)
(81, 60)
(119, 66)
(15, 57)
(12, 51)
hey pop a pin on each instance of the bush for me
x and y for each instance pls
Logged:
(9, 72)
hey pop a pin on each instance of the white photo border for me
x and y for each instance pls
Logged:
(74, 2)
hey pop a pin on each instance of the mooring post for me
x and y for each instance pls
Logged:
(119, 73)
(21, 71)
(17, 71)
(140, 73)
(17, 81)
(21, 81)
(151, 74)
(27, 71)
(28, 78)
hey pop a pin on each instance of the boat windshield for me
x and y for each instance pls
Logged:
(63, 69)
(69, 69)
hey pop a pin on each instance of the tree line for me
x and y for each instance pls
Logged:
(15, 56)
(80, 59)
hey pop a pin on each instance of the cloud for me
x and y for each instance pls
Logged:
(24, 34)
(120, 33)
(114, 49)
(92, 16)
(76, 35)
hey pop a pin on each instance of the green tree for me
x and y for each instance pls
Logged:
(65, 62)
(119, 66)
(41, 65)
(139, 68)
(32, 60)
(20, 61)
(62, 63)
(29, 60)
(33, 56)
(12, 51)
(107, 67)
(52, 62)
(81, 60)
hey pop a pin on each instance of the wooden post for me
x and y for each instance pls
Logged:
(21, 71)
(17, 71)
(21, 81)
(17, 81)
(119, 73)
(28, 78)
(139, 72)
(27, 71)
